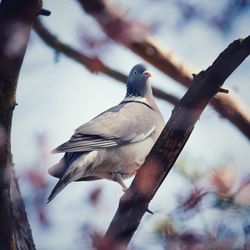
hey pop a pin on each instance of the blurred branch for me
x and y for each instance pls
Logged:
(92, 64)
(134, 203)
(16, 19)
(131, 35)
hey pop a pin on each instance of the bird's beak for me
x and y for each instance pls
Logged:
(147, 74)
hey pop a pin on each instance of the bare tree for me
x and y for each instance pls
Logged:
(16, 21)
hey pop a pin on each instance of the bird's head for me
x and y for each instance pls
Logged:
(137, 84)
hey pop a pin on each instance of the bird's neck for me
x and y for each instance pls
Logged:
(140, 99)
(132, 92)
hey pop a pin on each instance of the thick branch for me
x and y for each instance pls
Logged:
(130, 34)
(174, 136)
(92, 64)
(16, 19)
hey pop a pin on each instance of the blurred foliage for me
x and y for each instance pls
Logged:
(221, 18)
(36, 183)
(215, 214)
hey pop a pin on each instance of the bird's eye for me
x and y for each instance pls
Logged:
(134, 72)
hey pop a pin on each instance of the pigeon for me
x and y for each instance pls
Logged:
(114, 144)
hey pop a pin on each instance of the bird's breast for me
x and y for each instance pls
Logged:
(125, 159)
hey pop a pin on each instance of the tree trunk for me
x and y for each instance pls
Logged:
(16, 18)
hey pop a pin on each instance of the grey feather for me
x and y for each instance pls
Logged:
(112, 129)
(115, 143)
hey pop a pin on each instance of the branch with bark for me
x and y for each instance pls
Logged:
(93, 64)
(131, 35)
(16, 18)
(134, 203)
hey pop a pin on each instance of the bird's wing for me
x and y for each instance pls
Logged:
(122, 124)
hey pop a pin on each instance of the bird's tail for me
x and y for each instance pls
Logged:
(70, 168)
(56, 190)
(62, 183)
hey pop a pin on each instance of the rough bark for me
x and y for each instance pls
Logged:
(16, 18)
(174, 136)
(92, 64)
(131, 34)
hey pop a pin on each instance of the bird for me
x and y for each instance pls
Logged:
(114, 144)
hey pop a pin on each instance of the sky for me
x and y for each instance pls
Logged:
(54, 98)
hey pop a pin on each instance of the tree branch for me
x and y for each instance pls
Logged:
(174, 136)
(92, 64)
(131, 35)
(16, 18)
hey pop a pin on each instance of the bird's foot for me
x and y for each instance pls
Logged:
(117, 177)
